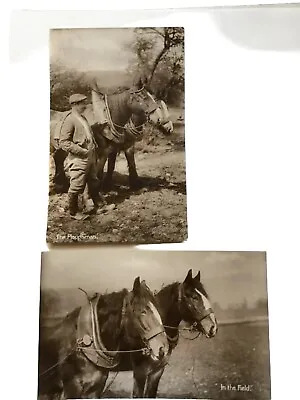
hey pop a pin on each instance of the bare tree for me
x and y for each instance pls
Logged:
(159, 61)
(152, 44)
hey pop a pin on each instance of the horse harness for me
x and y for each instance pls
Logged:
(89, 339)
(190, 307)
(88, 335)
(173, 340)
(105, 119)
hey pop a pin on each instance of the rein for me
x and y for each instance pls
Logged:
(115, 133)
(113, 124)
(191, 328)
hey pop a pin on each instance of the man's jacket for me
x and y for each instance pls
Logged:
(76, 136)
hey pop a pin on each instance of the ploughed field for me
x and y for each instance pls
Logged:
(238, 357)
(156, 213)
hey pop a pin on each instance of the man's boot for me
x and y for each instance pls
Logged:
(73, 207)
(73, 203)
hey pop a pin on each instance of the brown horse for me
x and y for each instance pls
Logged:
(187, 301)
(76, 356)
(129, 111)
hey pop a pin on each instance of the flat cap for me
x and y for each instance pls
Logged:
(76, 98)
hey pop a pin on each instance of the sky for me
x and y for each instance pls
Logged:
(230, 277)
(92, 49)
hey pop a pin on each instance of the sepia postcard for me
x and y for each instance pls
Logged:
(117, 137)
(168, 324)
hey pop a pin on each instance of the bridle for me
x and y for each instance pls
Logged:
(145, 335)
(190, 307)
(151, 109)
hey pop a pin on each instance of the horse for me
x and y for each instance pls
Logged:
(118, 135)
(75, 357)
(187, 301)
(133, 132)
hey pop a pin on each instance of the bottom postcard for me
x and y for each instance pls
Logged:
(169, 324)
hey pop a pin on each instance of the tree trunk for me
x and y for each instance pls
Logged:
(156, 61)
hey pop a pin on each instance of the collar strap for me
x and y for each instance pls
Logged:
(154, 332)
(206, 313)
(123, 312)
(181, 295)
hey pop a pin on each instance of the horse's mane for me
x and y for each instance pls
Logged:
(172, 288)
(167, 292)
(111, 303)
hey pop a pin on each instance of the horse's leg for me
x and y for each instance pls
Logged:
(73, 387)
(60, 180)
(139, 380)
(152, 383)
(101, 160)
(88, 385)
(94, 383)
(110, 170)
(134, 181)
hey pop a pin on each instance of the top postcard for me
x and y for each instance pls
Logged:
(117, 148)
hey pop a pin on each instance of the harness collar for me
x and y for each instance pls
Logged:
(89, 338)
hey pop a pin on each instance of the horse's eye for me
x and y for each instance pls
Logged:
(144, 312)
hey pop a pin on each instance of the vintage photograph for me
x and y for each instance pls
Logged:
(117, 147)
(166, 324)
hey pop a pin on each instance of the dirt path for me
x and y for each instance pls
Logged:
(154, 214)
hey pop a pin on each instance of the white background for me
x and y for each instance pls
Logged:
(242, 148)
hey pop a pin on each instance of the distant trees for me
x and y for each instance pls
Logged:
(64, 82)
(241, 310)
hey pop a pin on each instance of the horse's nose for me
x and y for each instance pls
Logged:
(161, 352)
(212, 331)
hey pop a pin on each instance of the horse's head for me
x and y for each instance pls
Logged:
(195, 305)
(144, 321)
(142, 103)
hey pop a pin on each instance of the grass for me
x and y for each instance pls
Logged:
(238, 355)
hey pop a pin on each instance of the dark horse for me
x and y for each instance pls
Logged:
(137, 103)
(187, 301)
(133, 132)
(76, 356)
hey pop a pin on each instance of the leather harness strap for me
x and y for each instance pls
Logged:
(119, 137)
(89, 338)
(181, 295)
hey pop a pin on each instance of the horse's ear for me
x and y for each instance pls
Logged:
(136, 286)
(143, 283)
(197, 277)
(189, 277)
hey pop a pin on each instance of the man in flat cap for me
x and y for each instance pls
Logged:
(77, 139)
